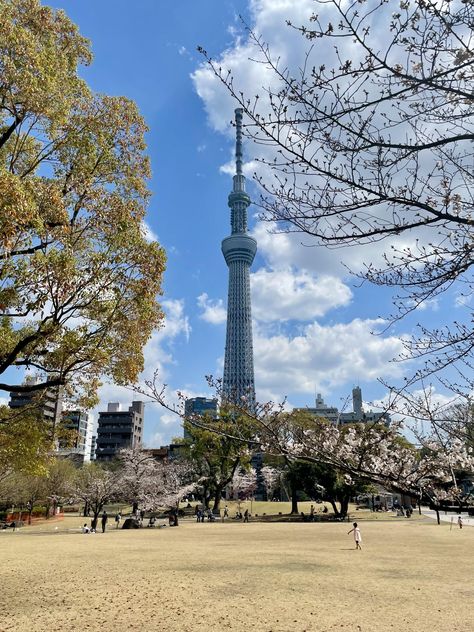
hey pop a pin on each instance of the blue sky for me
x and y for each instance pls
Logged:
(312, 325)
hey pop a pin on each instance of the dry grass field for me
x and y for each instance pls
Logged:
(265, 577)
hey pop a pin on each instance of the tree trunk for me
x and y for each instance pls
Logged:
(294, 499)
(95, 520)
(217, 501)
(437, 515)
(344, 506)
(334, 507)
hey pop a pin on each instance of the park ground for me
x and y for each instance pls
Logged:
(270, 577)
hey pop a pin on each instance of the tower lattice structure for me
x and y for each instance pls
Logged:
(239, 251)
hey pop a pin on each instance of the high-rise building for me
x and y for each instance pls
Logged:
(118, 429)
(80, 424)
(239, 251)
(48, 402)
(199, 406)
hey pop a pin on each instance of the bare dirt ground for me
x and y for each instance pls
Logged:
(265, 577)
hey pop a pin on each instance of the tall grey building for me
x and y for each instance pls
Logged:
(239, 251)
(47, 402)
(118, 429)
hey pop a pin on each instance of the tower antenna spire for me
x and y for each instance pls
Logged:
(238, 140)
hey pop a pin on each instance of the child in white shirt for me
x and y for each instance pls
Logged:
(357, 535)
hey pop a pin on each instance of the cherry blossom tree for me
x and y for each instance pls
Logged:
(152, 484)
(272, 479)
(139, 472)
(175, 481)
(243, 485)
(95, 486)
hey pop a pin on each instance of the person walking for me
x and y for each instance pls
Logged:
(460, 522)
(357, 535)
(118, 518)
(226, 512)
(246, 515)
(104, 521)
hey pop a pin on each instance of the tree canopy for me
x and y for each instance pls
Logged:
(78, 278)
(216, 456)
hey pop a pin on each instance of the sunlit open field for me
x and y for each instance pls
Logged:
(257, 576)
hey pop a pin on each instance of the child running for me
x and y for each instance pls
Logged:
(357, 535)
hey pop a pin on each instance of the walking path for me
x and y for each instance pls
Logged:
(468, 521)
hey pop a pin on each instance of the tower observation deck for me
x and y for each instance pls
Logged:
(239, 251)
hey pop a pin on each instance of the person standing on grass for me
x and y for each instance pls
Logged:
(104, 521)
(118, 518)
(460, 522)
(357, 535)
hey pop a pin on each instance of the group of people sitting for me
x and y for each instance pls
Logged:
(202, 513)
(242, 516)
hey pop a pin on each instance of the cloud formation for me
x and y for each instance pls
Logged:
(287, 294)
(320, 358)
(213, 311)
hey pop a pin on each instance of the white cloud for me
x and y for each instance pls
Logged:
(285, 294)
(428, 304)
(291, 249)
(214, 311)
(268, 18)
(320, 358)
(148, 232)
(248, 168)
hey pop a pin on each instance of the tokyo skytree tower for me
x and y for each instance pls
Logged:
(239, 251)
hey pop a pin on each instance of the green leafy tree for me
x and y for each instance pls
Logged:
(215, 453)
(25, 442)
(25, 491)
(78, 278)
(57, 484)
